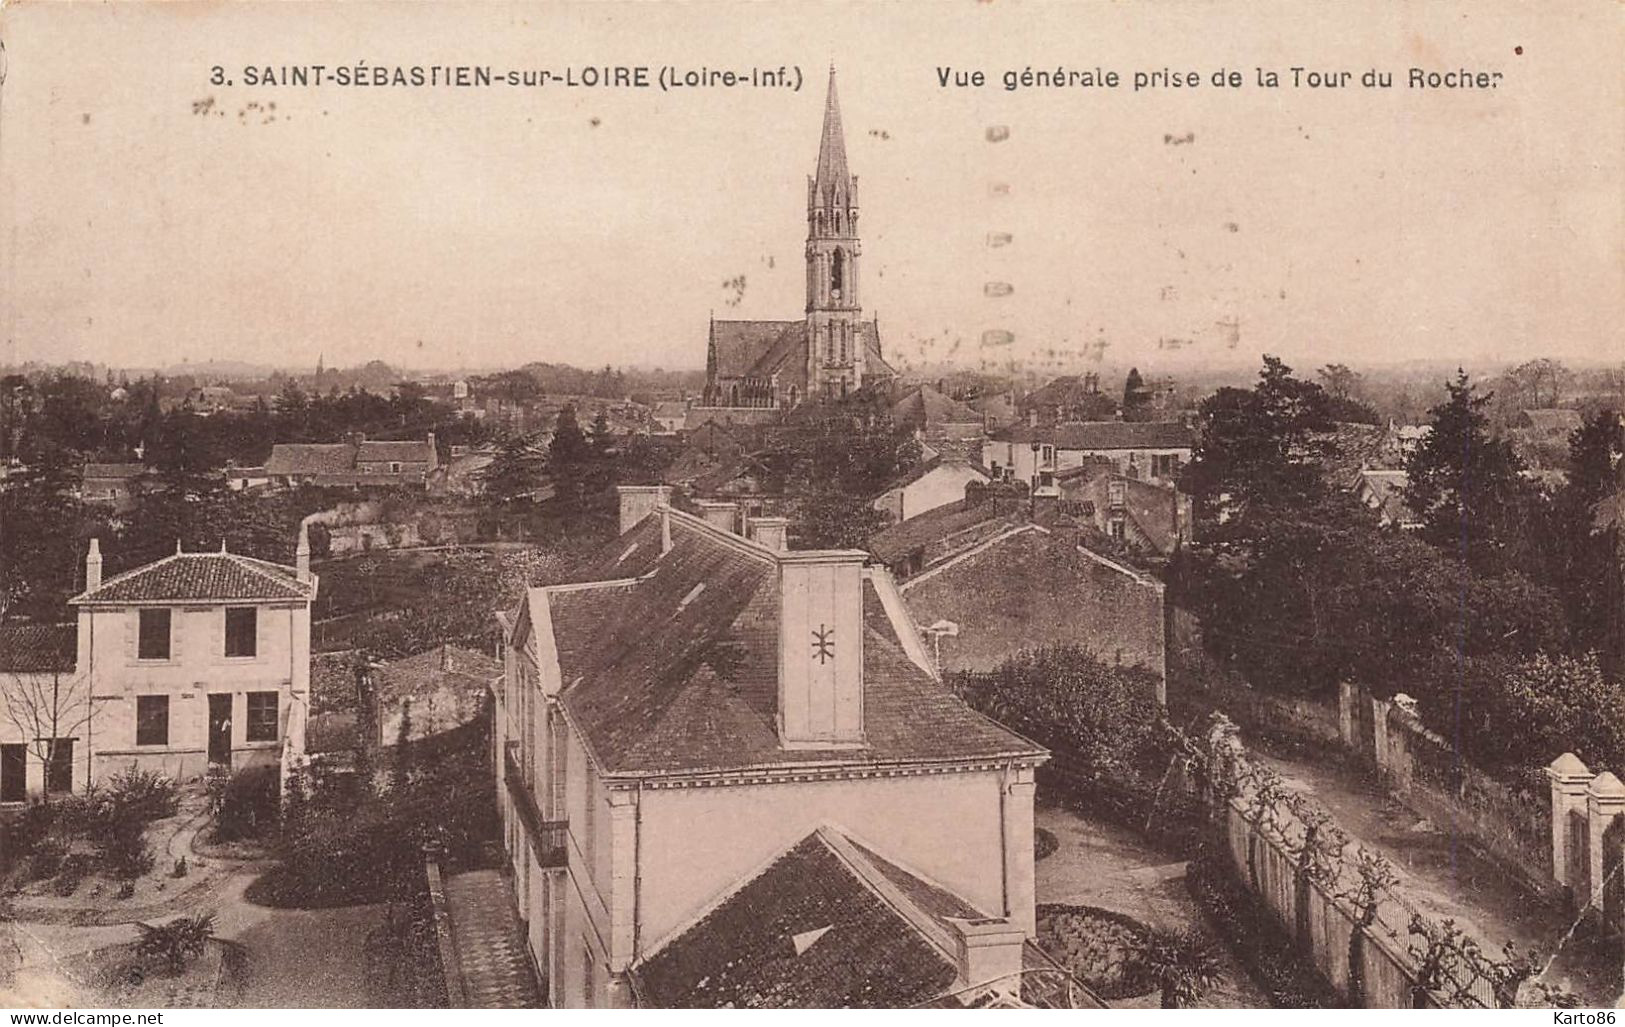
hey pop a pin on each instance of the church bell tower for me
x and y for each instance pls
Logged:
(835, 345)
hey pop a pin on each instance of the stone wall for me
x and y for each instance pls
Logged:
(1512, 825)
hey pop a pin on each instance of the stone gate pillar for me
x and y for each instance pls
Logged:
(1605, 807)
(1569, 777)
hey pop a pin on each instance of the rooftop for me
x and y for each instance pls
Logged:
(201, 577)
(38, 648)
(1095, 435)
(828, 925)
(669, 663)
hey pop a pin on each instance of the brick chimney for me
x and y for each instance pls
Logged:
(639, 501)
(93, 565)
(772, 532)
(821, 649)
(719, 513)
(988, 952)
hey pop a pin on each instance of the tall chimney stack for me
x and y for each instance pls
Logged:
(301, 553)
(93, 565)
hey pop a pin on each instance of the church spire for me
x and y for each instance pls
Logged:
(832, 173)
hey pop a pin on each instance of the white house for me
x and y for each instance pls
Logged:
(713, 752)
(934, 483)
(196, 659)
(44, 713)
(1035, 454)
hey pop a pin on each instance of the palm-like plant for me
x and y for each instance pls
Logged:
(1183, 964)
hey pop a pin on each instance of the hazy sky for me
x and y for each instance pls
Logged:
(149, 216)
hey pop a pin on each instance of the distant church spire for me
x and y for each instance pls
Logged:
(832, 175)
(836, 346)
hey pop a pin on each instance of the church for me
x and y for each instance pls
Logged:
(756, 369)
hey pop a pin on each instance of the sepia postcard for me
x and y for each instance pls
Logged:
(640, 506)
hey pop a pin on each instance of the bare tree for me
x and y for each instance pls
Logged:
(1340, 381)
(44, 707)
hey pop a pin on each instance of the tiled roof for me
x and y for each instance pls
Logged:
(448, 666)
(385, 450)
(1091, 435)
(898, 540)
(761, 348)
(202, 577)
(341, 458)
(664, 676)
(739, 345)
(926, 407)
(742, 954)
(311, 458)
(38, 648)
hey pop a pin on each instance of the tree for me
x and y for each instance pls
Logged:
(1340, 381)
(517, 470)
(1258, 447)
(1463, 483)
(44, 709)
(1135, 395)
(1540, 381)
(567, 458)
(1589, 569)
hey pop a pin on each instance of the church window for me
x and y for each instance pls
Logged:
(733, 396)
(837, 273)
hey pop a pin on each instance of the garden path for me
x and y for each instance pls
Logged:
(1101, 864)
(1447, 878)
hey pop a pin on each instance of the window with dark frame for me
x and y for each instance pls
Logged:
(59, 770)
(242, 631)
(262, 717)
(153, 643)
(152, 720)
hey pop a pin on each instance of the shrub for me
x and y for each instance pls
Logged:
(125, 850)
(141, 794)
(74, 870)
(46, 858)
(178, 942)
(249, 804)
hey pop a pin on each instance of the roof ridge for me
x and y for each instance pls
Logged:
(251, 564)
(889, 893)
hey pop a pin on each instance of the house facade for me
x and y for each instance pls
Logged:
(196, 659)
(689, 711)
(935, 483)
(44, 713)
(1036, 454)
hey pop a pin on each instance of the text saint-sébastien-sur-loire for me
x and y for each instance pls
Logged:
(665, 77)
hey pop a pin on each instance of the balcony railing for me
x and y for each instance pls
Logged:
(548, 838)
